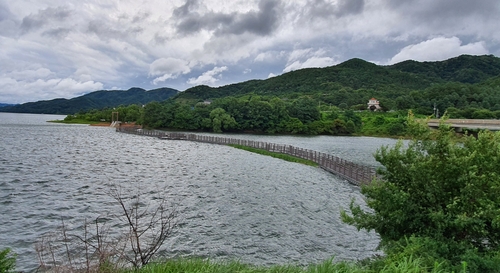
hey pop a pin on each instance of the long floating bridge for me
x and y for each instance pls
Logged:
(354, 173)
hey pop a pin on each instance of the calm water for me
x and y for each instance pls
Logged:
(232, 204)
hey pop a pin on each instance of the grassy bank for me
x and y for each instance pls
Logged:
(75, 121)
(276, 155)
(406, 265)
(199, 265)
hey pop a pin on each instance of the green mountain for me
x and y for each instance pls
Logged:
(458, 82)
(5, 104)
(358, 74)
(95, 100)
(464, 68)
(464, 81)
(352, 74)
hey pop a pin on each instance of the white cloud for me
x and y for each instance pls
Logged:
(163, 78)
(270, 56)
(168, 65)
(126, 43)
(438, 49)
(31, 74)
(44, 89)
(208, 77)
(307, 58)
(168, 68)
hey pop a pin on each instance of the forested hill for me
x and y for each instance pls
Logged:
(465, 68)
(5, 104)
(351, 75)
(358, 74)
(461, 82)
(95, 100)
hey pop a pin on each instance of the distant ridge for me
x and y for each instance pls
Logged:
(353, 81)
(6, 104)
(94, 100)
(464, 68)
(356, 74)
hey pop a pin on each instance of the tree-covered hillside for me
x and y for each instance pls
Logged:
(467, 83)
(95, 100)
(464, 68)
(326, 100)
(461, 82)
(323, 83)
(5, 104)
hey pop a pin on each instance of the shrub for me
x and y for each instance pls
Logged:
(441, 188)
(7, 261)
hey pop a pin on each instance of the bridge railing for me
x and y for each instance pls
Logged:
(467, 121)
(355, 173)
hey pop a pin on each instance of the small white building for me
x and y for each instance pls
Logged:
(374, 104)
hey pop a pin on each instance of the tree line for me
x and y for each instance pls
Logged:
(250, 113)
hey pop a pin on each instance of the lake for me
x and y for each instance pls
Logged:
(232, 204)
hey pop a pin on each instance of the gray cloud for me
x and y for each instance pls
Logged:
(262, 22)
(446, 11)
(58, 33)
(43, 17)
(346, 7)
(106, 31)
(140, 17)
(186, 9)
(5, 13)
(325, 8)
(91, 44)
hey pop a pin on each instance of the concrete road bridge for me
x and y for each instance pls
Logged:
(463, 124)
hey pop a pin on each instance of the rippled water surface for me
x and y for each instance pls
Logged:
(232, 204)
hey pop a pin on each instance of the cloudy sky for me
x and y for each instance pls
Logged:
(65, 48)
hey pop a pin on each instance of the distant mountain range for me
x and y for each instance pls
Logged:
(95, 100)
(357, 74)
(353, 79)
(5, 104)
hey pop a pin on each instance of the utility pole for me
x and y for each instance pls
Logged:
(436, 111)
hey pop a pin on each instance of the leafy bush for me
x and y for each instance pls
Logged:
(7, 261)
(442, 190)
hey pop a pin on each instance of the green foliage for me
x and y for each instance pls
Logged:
(441, 188)
(221, 119)
(276, 155)
(7, 261)
(306, 101)
(464, 68)
(406, 264)
(384, 124)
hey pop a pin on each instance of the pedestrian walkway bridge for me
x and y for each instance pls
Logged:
(356, 174)
(461, 124)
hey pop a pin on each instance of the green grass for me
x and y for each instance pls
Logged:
(207, 266)
(75, 121)
(276, 155)
(198, 265)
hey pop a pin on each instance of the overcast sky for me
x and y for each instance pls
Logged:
(66, 48)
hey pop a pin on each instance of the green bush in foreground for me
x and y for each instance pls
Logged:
(439, 200)
(7, 261)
